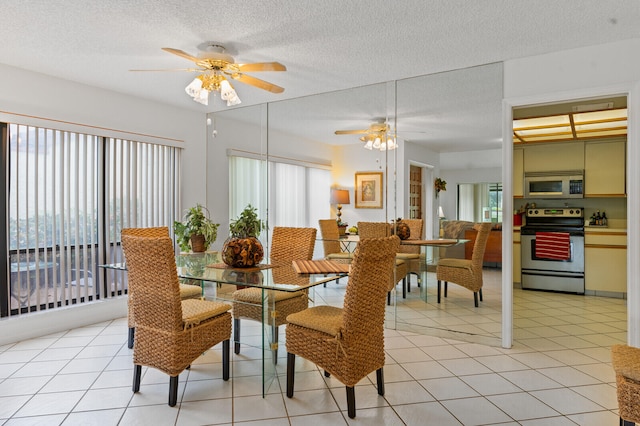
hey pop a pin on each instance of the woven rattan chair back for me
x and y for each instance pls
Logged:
(153, 282)
(289, 244)
(480, 245)
(158, 231)
(364, 302)
(374, 229)
(330, 235)
(415, 228)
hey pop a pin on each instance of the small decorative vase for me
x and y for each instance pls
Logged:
(402, 230)
(242, 252)
(342, 230)
(197, 243)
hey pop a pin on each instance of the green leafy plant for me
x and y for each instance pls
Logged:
(195, 222)
(247, 224)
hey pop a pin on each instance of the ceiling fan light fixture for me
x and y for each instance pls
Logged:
(228, 94)
(369, 145)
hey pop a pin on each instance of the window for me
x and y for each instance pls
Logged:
(69, 195)
(298, 195)
(480, 202)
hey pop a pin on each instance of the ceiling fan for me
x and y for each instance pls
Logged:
(216, 66)
(377, 136)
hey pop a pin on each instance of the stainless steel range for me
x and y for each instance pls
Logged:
(541, 271)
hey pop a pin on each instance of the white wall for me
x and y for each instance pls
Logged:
(25, 95)
(601, 70)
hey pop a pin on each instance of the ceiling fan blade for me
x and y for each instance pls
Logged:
(351, 132)
(171, 70)
(247, 79)
(180, 53)
(261, 66)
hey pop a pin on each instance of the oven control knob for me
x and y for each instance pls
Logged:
(577, 212)
(536, 211)
(570, 211)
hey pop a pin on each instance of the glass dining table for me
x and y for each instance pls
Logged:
(425, 263)
(218, 281)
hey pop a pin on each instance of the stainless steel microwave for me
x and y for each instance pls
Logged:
(561, 184)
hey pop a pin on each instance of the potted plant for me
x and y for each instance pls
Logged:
(242, 248)
(196, 231)
(342, 227)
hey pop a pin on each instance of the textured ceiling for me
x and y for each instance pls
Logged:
(326, 45)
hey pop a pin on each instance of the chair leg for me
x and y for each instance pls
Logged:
(236, 336)
(275, 344)
(226, 355)
(291, 371)
(404, 288)
(438, 291)
(132, 331)
(408, 278)
(137, 373)
(351, 402)
(475, 298)
(480, 292)
(388, 298)
(446, 287)
(327, 374)
(380, 380)
(173, 391)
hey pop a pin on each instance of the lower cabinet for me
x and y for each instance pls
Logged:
(605, 263)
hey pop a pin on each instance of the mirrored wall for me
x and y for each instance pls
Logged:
(420, 113)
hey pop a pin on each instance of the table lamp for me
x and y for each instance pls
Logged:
(339, 197)
(441, 217)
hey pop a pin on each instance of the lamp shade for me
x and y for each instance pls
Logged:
(340, 196)
(440, 212)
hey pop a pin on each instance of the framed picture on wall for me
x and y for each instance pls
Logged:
(368, 190)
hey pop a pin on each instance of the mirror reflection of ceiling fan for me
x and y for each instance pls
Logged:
(376, 136)
(216, 67)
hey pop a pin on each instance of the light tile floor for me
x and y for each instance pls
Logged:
(557, 373)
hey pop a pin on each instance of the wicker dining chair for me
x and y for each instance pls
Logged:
(287, 244)
(411, 254)
(170, 332)
(380, 230)
(348, 342)
(466, 272)
(330, 244)
(187, 291)
(625, 361)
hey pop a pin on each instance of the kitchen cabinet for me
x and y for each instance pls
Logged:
(517, 264)
(518, 171)
(605, 262)
(605, 168)
(554, 157)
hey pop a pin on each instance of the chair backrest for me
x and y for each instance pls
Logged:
(289, 244)
(158, 231)
(415, 228)
(484, 229)
(365, 299)
(153, 282)
(330, 236)
(374, 229)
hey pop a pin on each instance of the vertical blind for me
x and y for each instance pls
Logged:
(69, 196)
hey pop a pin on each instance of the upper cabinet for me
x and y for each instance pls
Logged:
(605, 166)
(554, 157)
